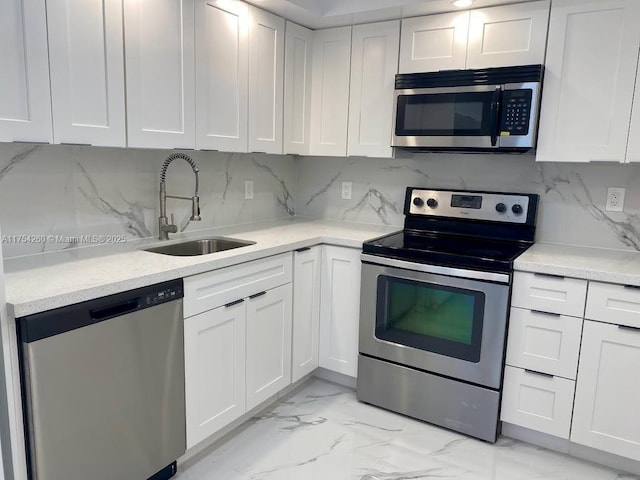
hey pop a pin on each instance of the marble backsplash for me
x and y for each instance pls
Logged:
(70, 191)
(51, 192)
(572, 196)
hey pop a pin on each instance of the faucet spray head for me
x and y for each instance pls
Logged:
(195, 209)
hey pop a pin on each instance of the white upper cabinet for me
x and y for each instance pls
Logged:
(592, 56)
(434, 42)
(330, 91)
(374, 64)
(266, 80)
(25, 102)
(87, 71)
(160, 73)
(222, 65)
(508, 35)
(485, 38)
(633, 147)
(297, 89)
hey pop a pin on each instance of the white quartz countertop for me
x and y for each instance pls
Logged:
(612, 266)
(43, 282)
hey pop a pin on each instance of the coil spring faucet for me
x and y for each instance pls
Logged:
(164, 227)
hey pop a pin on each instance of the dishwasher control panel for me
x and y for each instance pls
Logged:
(165, 295)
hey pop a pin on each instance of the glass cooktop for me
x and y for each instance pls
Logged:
(448, 250)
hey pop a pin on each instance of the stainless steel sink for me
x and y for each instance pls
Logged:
(203, 246)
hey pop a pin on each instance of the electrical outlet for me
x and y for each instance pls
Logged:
(346, 190)
(615, 199)
(248, 189)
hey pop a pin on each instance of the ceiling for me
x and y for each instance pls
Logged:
(334, 13)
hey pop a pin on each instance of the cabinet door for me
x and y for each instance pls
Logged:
(607, 392)
(330, 91)
(25, 102)
(160, 73)
(297, 89)
(268, 344)
(222, 66)
(340, 309)
(590, 70)
(87, 72)
(214, 370)
(434, 42)
(633, 147)
(374, 64)
(508, 35)
(266, 79)
(306, 311)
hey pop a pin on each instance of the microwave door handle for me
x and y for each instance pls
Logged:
(495, 110)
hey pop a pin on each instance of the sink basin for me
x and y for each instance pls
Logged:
(203, 246)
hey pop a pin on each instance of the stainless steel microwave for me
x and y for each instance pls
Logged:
(494, 109)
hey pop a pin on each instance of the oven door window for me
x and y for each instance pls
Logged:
(444, 114)
(436, 318)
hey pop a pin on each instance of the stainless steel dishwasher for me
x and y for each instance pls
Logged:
(103, 387)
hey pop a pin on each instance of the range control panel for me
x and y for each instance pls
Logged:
(161, 296)
(495, 207)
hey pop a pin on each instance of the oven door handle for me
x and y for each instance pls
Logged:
(437, 269)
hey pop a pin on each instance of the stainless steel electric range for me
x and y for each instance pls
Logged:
(435, 305)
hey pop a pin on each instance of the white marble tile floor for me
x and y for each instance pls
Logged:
(321, 432)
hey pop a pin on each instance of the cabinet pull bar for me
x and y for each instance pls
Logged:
(548, 375)
(303, 249)
(257, 295)
(228, 305)
(632, 287)
(548, 275)
(258, 152)
(627, 327)
(545, 313)
(70, 144)
(182, 148)
(28, 141)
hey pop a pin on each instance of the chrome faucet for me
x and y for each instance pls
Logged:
(164, 227)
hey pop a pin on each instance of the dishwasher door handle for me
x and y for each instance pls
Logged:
(115, 310)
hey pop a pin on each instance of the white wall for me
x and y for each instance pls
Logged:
(572, 196)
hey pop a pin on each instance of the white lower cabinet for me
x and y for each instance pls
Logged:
(214, 370)
(306, 311)
(607, 392)
(237, 335)
(340, 309)
(537, 401)
(268, 344)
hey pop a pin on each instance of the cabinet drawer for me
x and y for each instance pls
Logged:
(548, 293)
(539, 402)
(219, 287)
(613, 304)
(547, 343)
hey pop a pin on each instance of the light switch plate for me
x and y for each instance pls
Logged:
(248, 189)
(346, 190)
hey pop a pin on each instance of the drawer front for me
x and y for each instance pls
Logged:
(547, 343)
(548, 293)
(541, 403)
(220, 287)
(613, 304)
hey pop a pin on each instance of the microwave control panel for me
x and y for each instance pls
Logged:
(516, 112)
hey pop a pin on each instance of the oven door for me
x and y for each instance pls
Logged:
(441, 323)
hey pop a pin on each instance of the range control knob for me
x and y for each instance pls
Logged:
(432, 203)
(501, 207)
(418, 202)
(517, 209)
